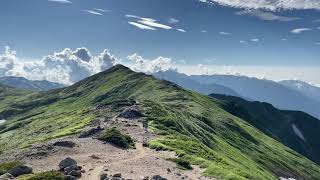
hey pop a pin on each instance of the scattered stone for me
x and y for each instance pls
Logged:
(117, 175)
(104, 176)
(6, 176)
(67, 144)
(93, 156)
(91, 132)
(20, 170)
(66, 163)
(158, 177)
(168, 170)
(145, 178)
(178, 174)
(130, 113)
(69, 177)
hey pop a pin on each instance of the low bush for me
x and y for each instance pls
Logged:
(183, 164)
(49, 175)
(114, 136)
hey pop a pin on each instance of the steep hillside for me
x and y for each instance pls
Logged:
(297, 130)
(192, 125)
(265, 91)
(23, 83)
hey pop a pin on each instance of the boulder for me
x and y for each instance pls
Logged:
(6, 176)
(67, 163)
(68, 169)
(69, 177)
(118, 175)
(75, 173)
(91, 132)
(158, 177)
(67, 144)
(104, 176)
(20, 170)
(130, 113)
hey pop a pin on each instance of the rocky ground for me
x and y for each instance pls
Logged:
(98, 160)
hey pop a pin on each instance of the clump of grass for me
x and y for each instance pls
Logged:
(49, 175)
(7, 166)
(182, 163)
(114, 136)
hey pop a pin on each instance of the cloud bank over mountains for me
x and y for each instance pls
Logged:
(65, 67)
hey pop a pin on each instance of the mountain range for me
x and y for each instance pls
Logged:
(230, 138)
(23, 83)
(283, 95)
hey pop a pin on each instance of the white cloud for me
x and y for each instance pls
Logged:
(204, 31)
(224, 33)
(146, 23)
(272, 5)
(267, 16)
(102, 10)
(318, 28)
(173, 20)
(140, 64)
(317, 43)
(181, 30)
(255, 40)
(300, 30)
(64, 67)
(317, 20)
(94, 12)
(61, 1)
(242, 41)
(141, 26)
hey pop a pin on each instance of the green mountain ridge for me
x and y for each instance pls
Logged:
(193, 125)
(295, 129)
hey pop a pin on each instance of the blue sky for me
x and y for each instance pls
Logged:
(222, 35)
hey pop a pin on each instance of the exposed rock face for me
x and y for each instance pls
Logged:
(20, 170)
(91, 132)
(130, 113)
(68, 162)
(6, 176)
(68, 144)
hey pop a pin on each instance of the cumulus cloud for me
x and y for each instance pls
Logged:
(300, 30)
(272, 5)
(65, 67)
(138, 63)
(266, 16)
(61, 1)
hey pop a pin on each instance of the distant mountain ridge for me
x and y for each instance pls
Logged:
(303, 87)
(23, 83)
(186, 82)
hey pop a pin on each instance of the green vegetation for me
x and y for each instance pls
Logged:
(278, 124)
(183, 164)
(6, 167)
(114, 136)
(192, 125)
(49, 175)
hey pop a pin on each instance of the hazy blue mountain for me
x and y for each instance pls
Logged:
(303, 87)
(23, 83)
(295, 129)
(265, 91)
(185, 81)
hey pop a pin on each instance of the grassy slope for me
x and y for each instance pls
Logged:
(191, 124)
(278, 123)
